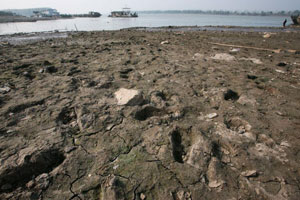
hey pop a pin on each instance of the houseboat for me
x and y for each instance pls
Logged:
(125, 13)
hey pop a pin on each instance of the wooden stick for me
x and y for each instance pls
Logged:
(256, 48)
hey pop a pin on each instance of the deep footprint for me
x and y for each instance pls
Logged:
(33, 166)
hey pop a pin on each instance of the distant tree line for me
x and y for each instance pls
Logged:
(222, 12)
(2, 13)
(25, 12)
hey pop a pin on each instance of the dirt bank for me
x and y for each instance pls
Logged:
(213, 115)
(8, 19)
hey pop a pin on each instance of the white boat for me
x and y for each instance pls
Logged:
(125, 13)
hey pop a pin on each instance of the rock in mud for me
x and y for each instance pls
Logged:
(214, 174)
(267, 35)
(198, 56)
(142, 196)
(234, 50)
(249, 173)
(129, 97)
(112, 189)
(183, 195)
(165, 42)
(253, 60)
(245, 100)
(28, 75)
(177, 114)
(42, 181)
(158, 98)
(211, 115)
(200, 153)
(223, 56)
(280, 71)
(238, 125)
(4, 90)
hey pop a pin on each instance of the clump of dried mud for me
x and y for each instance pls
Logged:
(214, 122)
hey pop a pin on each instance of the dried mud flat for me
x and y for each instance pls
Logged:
(206, 121)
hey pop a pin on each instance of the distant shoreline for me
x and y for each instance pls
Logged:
(32, 36)
(12, 19)
(217, 28)
(221, 12)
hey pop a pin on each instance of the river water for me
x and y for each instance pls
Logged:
(144, 20)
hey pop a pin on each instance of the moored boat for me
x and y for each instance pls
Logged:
(125, 13)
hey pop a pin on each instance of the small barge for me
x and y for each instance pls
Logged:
(125, 13)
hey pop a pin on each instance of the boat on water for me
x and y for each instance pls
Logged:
(125, 13)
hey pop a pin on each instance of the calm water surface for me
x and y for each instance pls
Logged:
(144, 20)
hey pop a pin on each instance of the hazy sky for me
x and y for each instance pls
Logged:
(105, 6)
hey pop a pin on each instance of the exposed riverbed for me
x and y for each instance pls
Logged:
(215, 116)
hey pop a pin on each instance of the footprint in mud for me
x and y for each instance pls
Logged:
(33, 165)
(252, 77)
(66, 116)
(124, 73)
(147, 112)
(231, 95)
(21, 107)
(193, 148)
(177, 147)
(238, 125)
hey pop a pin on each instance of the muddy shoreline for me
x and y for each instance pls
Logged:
(150, 114)
(37, 36)
(219, 28)
(14, 19)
